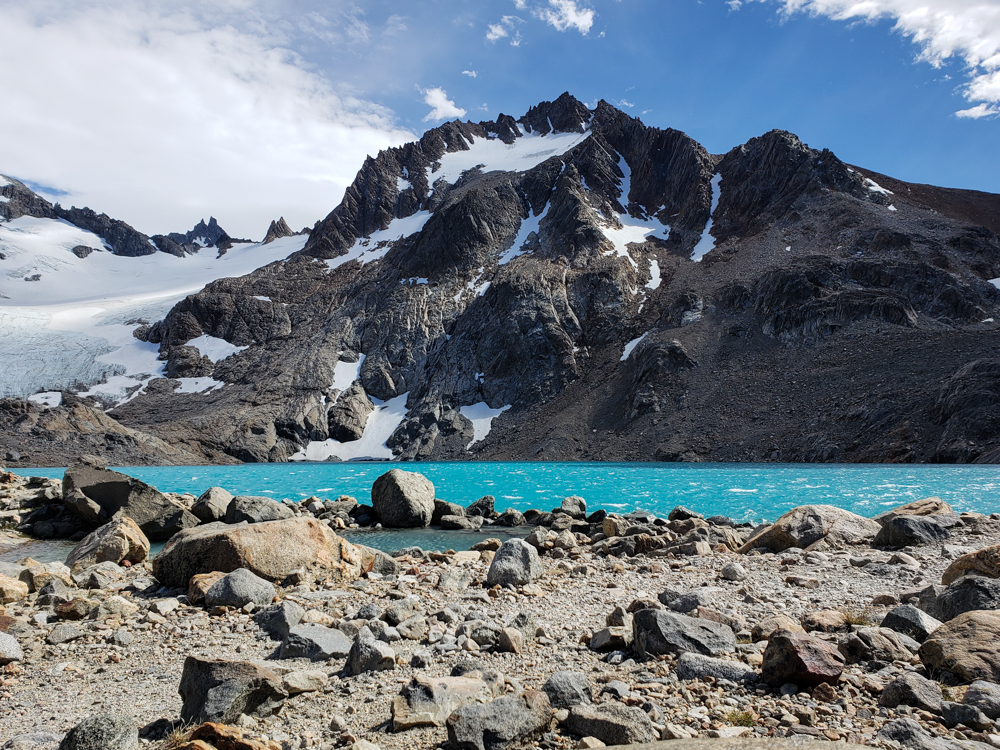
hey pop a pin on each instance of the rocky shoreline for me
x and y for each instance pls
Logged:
(258, 627)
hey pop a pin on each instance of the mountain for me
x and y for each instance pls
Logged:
(577, 285)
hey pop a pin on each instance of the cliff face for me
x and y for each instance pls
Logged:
(786, 306)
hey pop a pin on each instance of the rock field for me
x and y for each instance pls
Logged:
(596, 630)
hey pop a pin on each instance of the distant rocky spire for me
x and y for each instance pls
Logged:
(277, 230)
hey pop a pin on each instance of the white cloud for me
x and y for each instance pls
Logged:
(159, 115)
(980, 110)
(506, 27)
(944, 29)
(442, 108)
(564, 14)
(470, 73)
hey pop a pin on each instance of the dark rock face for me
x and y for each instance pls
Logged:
(848, 322)
(219, 691)
(907, 531)
(122, 238)
(22, 201)
(967, 594)
(95, 494)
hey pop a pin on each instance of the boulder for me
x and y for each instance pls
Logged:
(12, 590)
(985, 562)
(880, 644)
(763, 629)
(443, 508)
(985, 696)
(254, 509)
(566, 689)
(575, 507)
(968, 593)
(482, 507)
(10, 649)
(510, 517)
(429, 701)
(304, 681)
(314, 642)
(929, 506)
(912, 690)
(911, 621)
(909, 734)
(368, 655)
(825, 621)
(911, 531)
(967, 646)
(377, 561)
(657, 631)
(807, 524)
(97, 494)
(99, 576)
(212, 505)
(461, 523)
(692, 666)
(119, 540)
(733, 572)
(612, 723)
(454, 579)
(239, 588)
(272, 550)
(965, 714)
(63, 633)
(403, 499)
(111, 730)
(200, 584)
(516, 563)
(278, 619)
(220, 691)
(348, 416)
(801, 660)
(495, 725)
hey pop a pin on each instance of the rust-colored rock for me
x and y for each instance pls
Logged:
(224, 737)
(199, 585)
(800, 659)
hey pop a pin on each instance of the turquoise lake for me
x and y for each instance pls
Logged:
(746, 492)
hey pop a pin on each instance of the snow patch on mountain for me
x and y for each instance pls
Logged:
(215, 348)
(481, 416)
(632, 229)
(72, 329)
(372, 445)
(492, 154)
(707, 242)
(367, 249)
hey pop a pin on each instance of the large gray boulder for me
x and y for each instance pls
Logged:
(220, 691)
(967, 646)
(912, 690)
(498, 724)
(911, 531)
(111, 730)
(272, 550)
(694, 666)
(657, 631)
(278, 619)
(314, 642)
(212, 504)
(403, 499)
(347, 418)
(985, 696)
(429, 701)
(967, 594)
(612, 723)
(10, 649)
(909, 734)
(808, 524)
(567, 689)
(516, 563)
(119, 540)
(368, 655)
(254, 509)
(239, 588)
(96, 494)
(910, 621)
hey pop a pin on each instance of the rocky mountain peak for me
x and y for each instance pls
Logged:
(278, 229)
(17, 200)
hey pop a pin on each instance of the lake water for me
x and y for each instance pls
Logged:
(745, 492)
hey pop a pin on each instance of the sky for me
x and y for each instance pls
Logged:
(163, 113)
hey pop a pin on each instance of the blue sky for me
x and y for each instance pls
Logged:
(246, 109)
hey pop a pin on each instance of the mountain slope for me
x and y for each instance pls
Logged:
(576, 284)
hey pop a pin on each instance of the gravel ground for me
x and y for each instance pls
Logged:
(57, 686)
